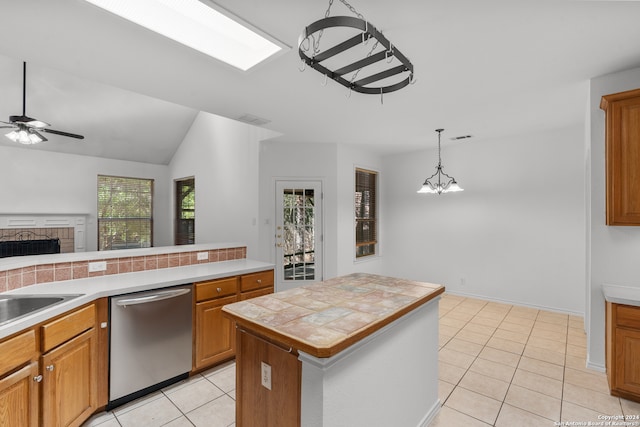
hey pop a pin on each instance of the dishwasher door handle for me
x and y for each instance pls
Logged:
(157, 296)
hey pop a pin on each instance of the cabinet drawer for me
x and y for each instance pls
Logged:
(259, 280)
(67, 327)
(216, 288)
(17, 350)
(628, 316)
(254, 294)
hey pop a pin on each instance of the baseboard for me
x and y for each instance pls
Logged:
(596, 366)
(431, 414)
(518, 303)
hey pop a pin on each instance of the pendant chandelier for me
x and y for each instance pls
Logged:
(388, 69)
(440, 182)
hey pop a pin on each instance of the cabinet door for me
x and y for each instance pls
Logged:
(623, 157)
(627, 373)
(69, 386)
(215, 338)
(19, 397)
(257, 405)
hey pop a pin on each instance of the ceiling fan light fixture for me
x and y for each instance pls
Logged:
(26, 137)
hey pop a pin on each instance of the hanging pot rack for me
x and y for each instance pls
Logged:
(312, 56)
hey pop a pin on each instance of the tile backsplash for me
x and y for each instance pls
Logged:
(55, 272)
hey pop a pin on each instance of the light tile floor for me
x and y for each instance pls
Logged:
(204, 400)
(500, 365)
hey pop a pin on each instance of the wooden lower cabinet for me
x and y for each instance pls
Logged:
(70, 385)
(19, 397)
(215, 337)
(256, 405)
(49, 373)
(623, 350)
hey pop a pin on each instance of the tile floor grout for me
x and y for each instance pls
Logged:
(488, 340)
(539, 328)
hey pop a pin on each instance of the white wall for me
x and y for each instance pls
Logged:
(515, 234)
(222, 155)
(615, 250)
(282, 161)
(334, 165)
(36, 181)
(349, 158)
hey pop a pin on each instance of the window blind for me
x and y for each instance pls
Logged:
(365, 212)
(125, 212)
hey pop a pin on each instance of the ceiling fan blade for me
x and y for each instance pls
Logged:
(7, 127)
(58, 132)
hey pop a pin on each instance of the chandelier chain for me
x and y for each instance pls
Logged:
(316, 43)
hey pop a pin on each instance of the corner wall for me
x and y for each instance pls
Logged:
(222, 155)
(37, 181)
(614, 249)
(516, 234)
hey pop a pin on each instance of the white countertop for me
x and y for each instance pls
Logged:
(621, 294)
(117, 284)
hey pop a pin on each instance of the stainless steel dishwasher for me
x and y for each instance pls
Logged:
(150, 342)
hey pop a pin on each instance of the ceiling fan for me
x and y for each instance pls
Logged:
(26, 130)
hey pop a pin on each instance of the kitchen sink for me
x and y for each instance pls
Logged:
(13, 307)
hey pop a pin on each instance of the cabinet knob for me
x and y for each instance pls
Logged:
(219, 290)
(259, 281)
(38, 378)
(49, 368)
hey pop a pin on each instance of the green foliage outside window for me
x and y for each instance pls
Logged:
(125, 212)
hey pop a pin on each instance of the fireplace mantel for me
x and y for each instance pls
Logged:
(53, 220)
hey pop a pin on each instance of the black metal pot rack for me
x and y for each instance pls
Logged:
(368, 31)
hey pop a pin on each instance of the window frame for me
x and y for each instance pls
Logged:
(372, 244)
(179, 237)
(100, 219)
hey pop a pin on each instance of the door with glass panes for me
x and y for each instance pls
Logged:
(298, 233)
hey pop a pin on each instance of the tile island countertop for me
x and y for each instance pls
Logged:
(325, 318)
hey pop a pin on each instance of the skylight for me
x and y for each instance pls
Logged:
(198, 26)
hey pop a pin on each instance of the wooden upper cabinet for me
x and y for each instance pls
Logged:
(623, 157)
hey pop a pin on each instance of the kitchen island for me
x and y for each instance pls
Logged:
(357, 350)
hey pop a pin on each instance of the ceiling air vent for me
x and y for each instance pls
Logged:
(253, 120)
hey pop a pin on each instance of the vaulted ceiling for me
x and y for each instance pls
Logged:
(487, 68)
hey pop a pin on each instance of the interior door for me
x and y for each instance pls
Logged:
(298, 235)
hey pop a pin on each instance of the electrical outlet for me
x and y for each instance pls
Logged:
(266, 375)
(97, 266)
(202, 256)
(463, 281)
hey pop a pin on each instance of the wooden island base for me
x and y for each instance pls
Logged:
(294, 369)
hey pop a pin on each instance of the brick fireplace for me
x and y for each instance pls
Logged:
(69, 228)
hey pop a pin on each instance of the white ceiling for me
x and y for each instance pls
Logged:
(487, 68)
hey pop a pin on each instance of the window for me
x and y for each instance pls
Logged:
(185, 232)
(125, 207)
(365, 210)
